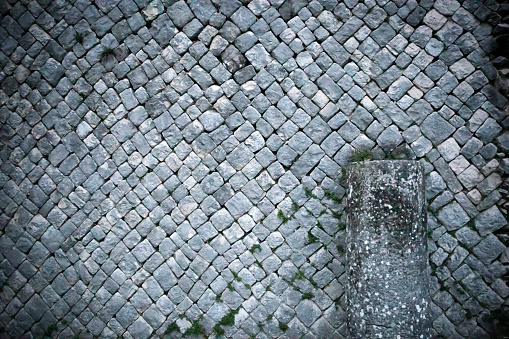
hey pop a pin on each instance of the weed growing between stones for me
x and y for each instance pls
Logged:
(173, 327)
(433, 269)
(340, 249)
(236, 276)
(459, 288)
(337, 303)
(452, 233)
(309, 193)
(389, 156)
(298, 275)
(218, 329)
(332, 196)
(50, 330)
(318, 224)
(195, 329)
(307, 295)
(282, 217)
(336, 215)
(432, 212)
(107, 52)
(255, 247)
(471, 224)
(364, 155)
(283, 327)
(312, 238)
(227, 320)
(443, 286)
(79, 37)
(342, 178)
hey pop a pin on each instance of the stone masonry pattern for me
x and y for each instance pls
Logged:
(170, 168)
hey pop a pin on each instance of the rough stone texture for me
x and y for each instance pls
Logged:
(387, 258)
(148, 147)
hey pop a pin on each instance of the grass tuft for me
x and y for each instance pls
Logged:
(195, 329)
(227, 320)
(107, 52)
(361, 156)
(307, 295)
(332, 196)
(309, 193)
(342, 178)
(336, 215)
(255, 247)
(50, 330)
(173, 327)
(79, 37)
(471, 224)
(298, 275)
(236, 276)
(340, 248)
(319, 225)
(312, 238)
(282, 217)
(218, 329)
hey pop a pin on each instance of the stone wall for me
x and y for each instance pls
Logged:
(176, 166)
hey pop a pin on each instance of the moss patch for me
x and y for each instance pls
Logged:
(307, 295)
(196, 328)
(227, 320)
(255, 247)
(283, 327)
(173, 327)
(361, 156)
(312, 238)
(282, 217)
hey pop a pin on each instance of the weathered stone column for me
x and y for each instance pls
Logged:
(387, 259)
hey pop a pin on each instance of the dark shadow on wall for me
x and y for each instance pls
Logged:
(499, 319)
(500, 22)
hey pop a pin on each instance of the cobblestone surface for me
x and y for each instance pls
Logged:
(175, 166)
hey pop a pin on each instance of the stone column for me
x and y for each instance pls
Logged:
(387, 254)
